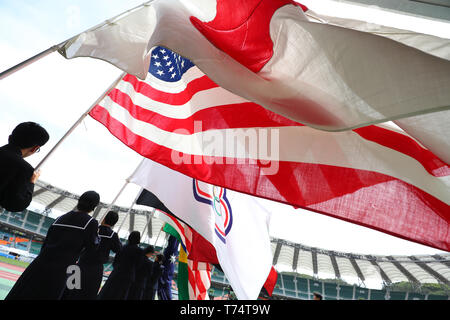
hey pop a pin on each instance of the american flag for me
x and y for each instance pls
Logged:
(168, 65)
(376, 176)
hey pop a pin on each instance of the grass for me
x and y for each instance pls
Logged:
(13, 262)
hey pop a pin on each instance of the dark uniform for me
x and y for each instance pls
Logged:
(91, 265)
(45, 277)
(152, 281)
(124, 273)
(16, 190)
(143, 271)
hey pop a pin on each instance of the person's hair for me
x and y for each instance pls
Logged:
(318, 295)
(149, 249)
(134, 237)
(111, 218)
(160, 257)
(27, 135)
(88, 201)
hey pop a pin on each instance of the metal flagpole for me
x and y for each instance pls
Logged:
(114, 201)
(158, 236)
(127, 181)
(129, 210)
(80, 120)
(60, 46)
(149, 221)
(29, 61)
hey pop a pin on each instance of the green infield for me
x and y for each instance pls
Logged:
(14, 262)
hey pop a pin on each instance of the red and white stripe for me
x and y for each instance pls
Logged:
(183, 229)
(199, 273)
(374, 176)
(199, 280)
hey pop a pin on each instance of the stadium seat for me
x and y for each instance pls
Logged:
(436, 297)
(4, 215)
(216, 277)
(288, 282)
(277, 290)
(35, 247)
(33, 220)
(290, 293)
(16, 218)
(314, 286)
(396, 295)
(346, 292)
(302, 295)
(302, 287)
(415, 296)
(331, 291)
(361, 293)
(278, 286)
(47, 223)
(377, 294)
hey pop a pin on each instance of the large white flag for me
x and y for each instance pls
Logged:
(235, 223)
(332, 76)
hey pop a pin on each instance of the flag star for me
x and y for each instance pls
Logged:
(173, 258)
(173, 75)
(171, 69)
(166, 57)
(157, 63)
(169, 63)
(162, 51)
(160, 72)
(155, 56)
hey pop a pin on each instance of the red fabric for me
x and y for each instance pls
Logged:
(202, 250)
(271, 281)
(241, 29)
(243, 115)
(367, 198)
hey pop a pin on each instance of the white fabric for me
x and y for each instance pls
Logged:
(246, 256)
(341, 149)
(322, 75)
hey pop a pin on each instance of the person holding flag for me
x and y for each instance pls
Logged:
(91, 261)
(17, 176)
(152, 282)
(119, 281)
(143, 271)
(47, 276)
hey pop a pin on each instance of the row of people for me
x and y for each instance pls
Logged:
(74, 239)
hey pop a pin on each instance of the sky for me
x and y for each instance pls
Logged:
(55, 92)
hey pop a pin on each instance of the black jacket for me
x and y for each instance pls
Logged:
(91, 265)
(123, 275)
(45, 277)
(16, 190)
(109, 241)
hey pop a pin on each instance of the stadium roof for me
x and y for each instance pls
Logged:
(287, 256)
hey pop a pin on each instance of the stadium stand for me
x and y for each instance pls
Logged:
(26, 231)
(331, 291)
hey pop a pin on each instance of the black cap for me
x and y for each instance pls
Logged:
(134, 237)
(88, 201)
(111, 218)
(27, 135)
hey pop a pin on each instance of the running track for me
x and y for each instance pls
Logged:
(8, 276)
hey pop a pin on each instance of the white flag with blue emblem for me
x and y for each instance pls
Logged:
(237, 225)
